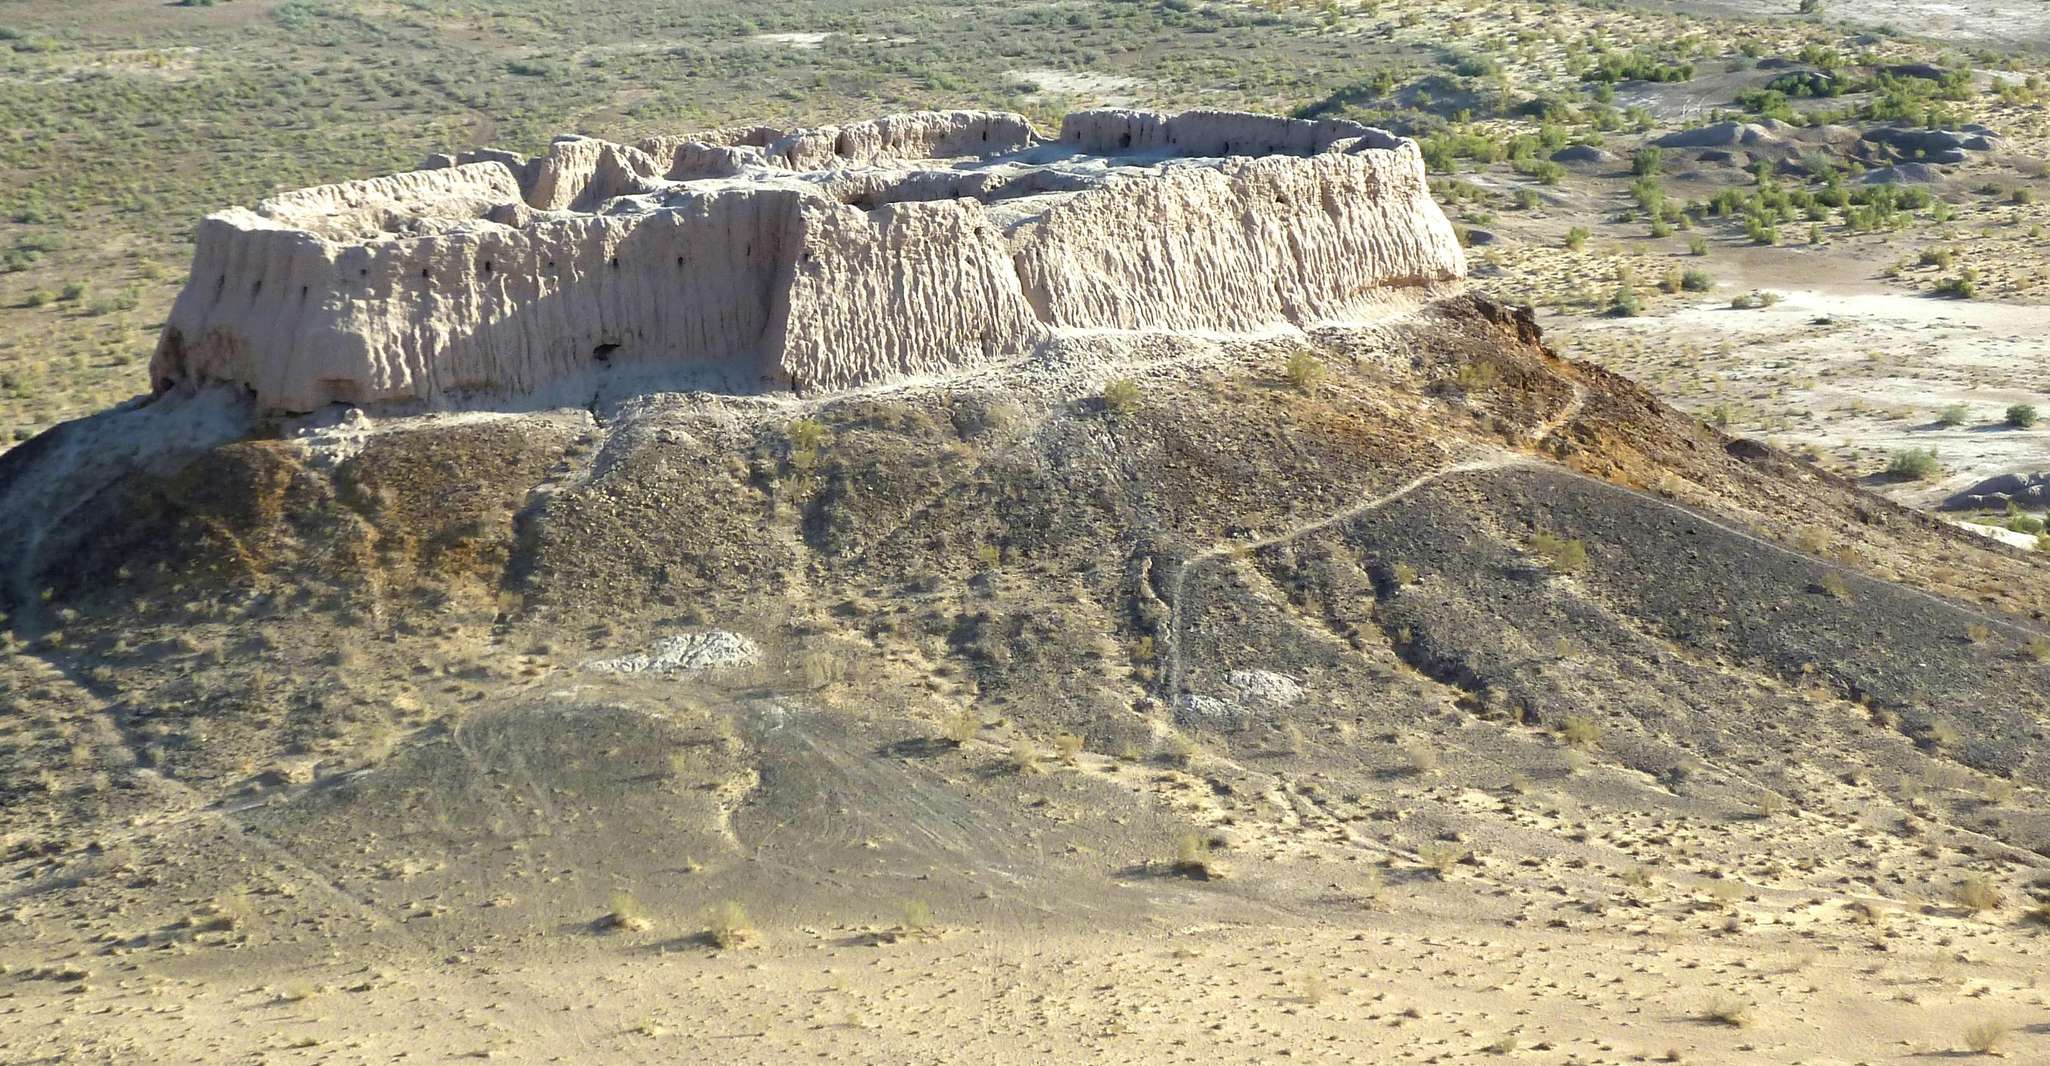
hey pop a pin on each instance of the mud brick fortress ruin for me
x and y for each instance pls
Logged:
(809, 259)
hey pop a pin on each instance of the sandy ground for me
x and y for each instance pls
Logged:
(1385, 990)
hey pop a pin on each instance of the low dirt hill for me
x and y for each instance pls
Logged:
(1409, 694)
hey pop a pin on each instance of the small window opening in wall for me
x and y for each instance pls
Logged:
(603, 352)
(615, 262)
(426, 272)
(487, 266)
(679, 260)
(551, 264)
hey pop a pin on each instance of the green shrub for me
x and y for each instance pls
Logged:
(1954, 415)
(1962, 286)
(1913, 464)
(1697, 280)
(2021, 415)
(1304, 371)
(1576, 238)
(1120, 396)
(1562, 555)
(1627, 304)
(1645, 161)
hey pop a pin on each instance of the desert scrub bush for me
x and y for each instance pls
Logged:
(1067, 747)
(961, 727)
(728, 926)
(1752, 300)
(1977, 895)
(1441, 857)
(805, 436)
(1954, 415)
(1697, 246)
(1696, 280)
(2021, 415)
(1120, 396)
(1645, 161)
(1626, 303)
(1580, 731)
(1913, 464)
(1420, 755)
(1024, 757)
(1305, 371)
(1731, 1012)
(1962, 286)
(1576, 238)
(1834, 586)
(1985, 1038)
(627, 915)
(1561, 555)
(1476, 377)
(917, 919)
(1192, 858)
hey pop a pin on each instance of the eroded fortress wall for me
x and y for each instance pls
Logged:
(813, 259)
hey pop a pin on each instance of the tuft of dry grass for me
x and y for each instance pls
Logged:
(1985, 1038)
(1581, 732)
(1442, 857)
(1976, 894)
(1192, 858)
(728, 926)
(917, 917)
(627, 915)
(1423, 758)
(1734, 1013)
(961, 727)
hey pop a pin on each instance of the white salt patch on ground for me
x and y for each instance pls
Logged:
(691, 653)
